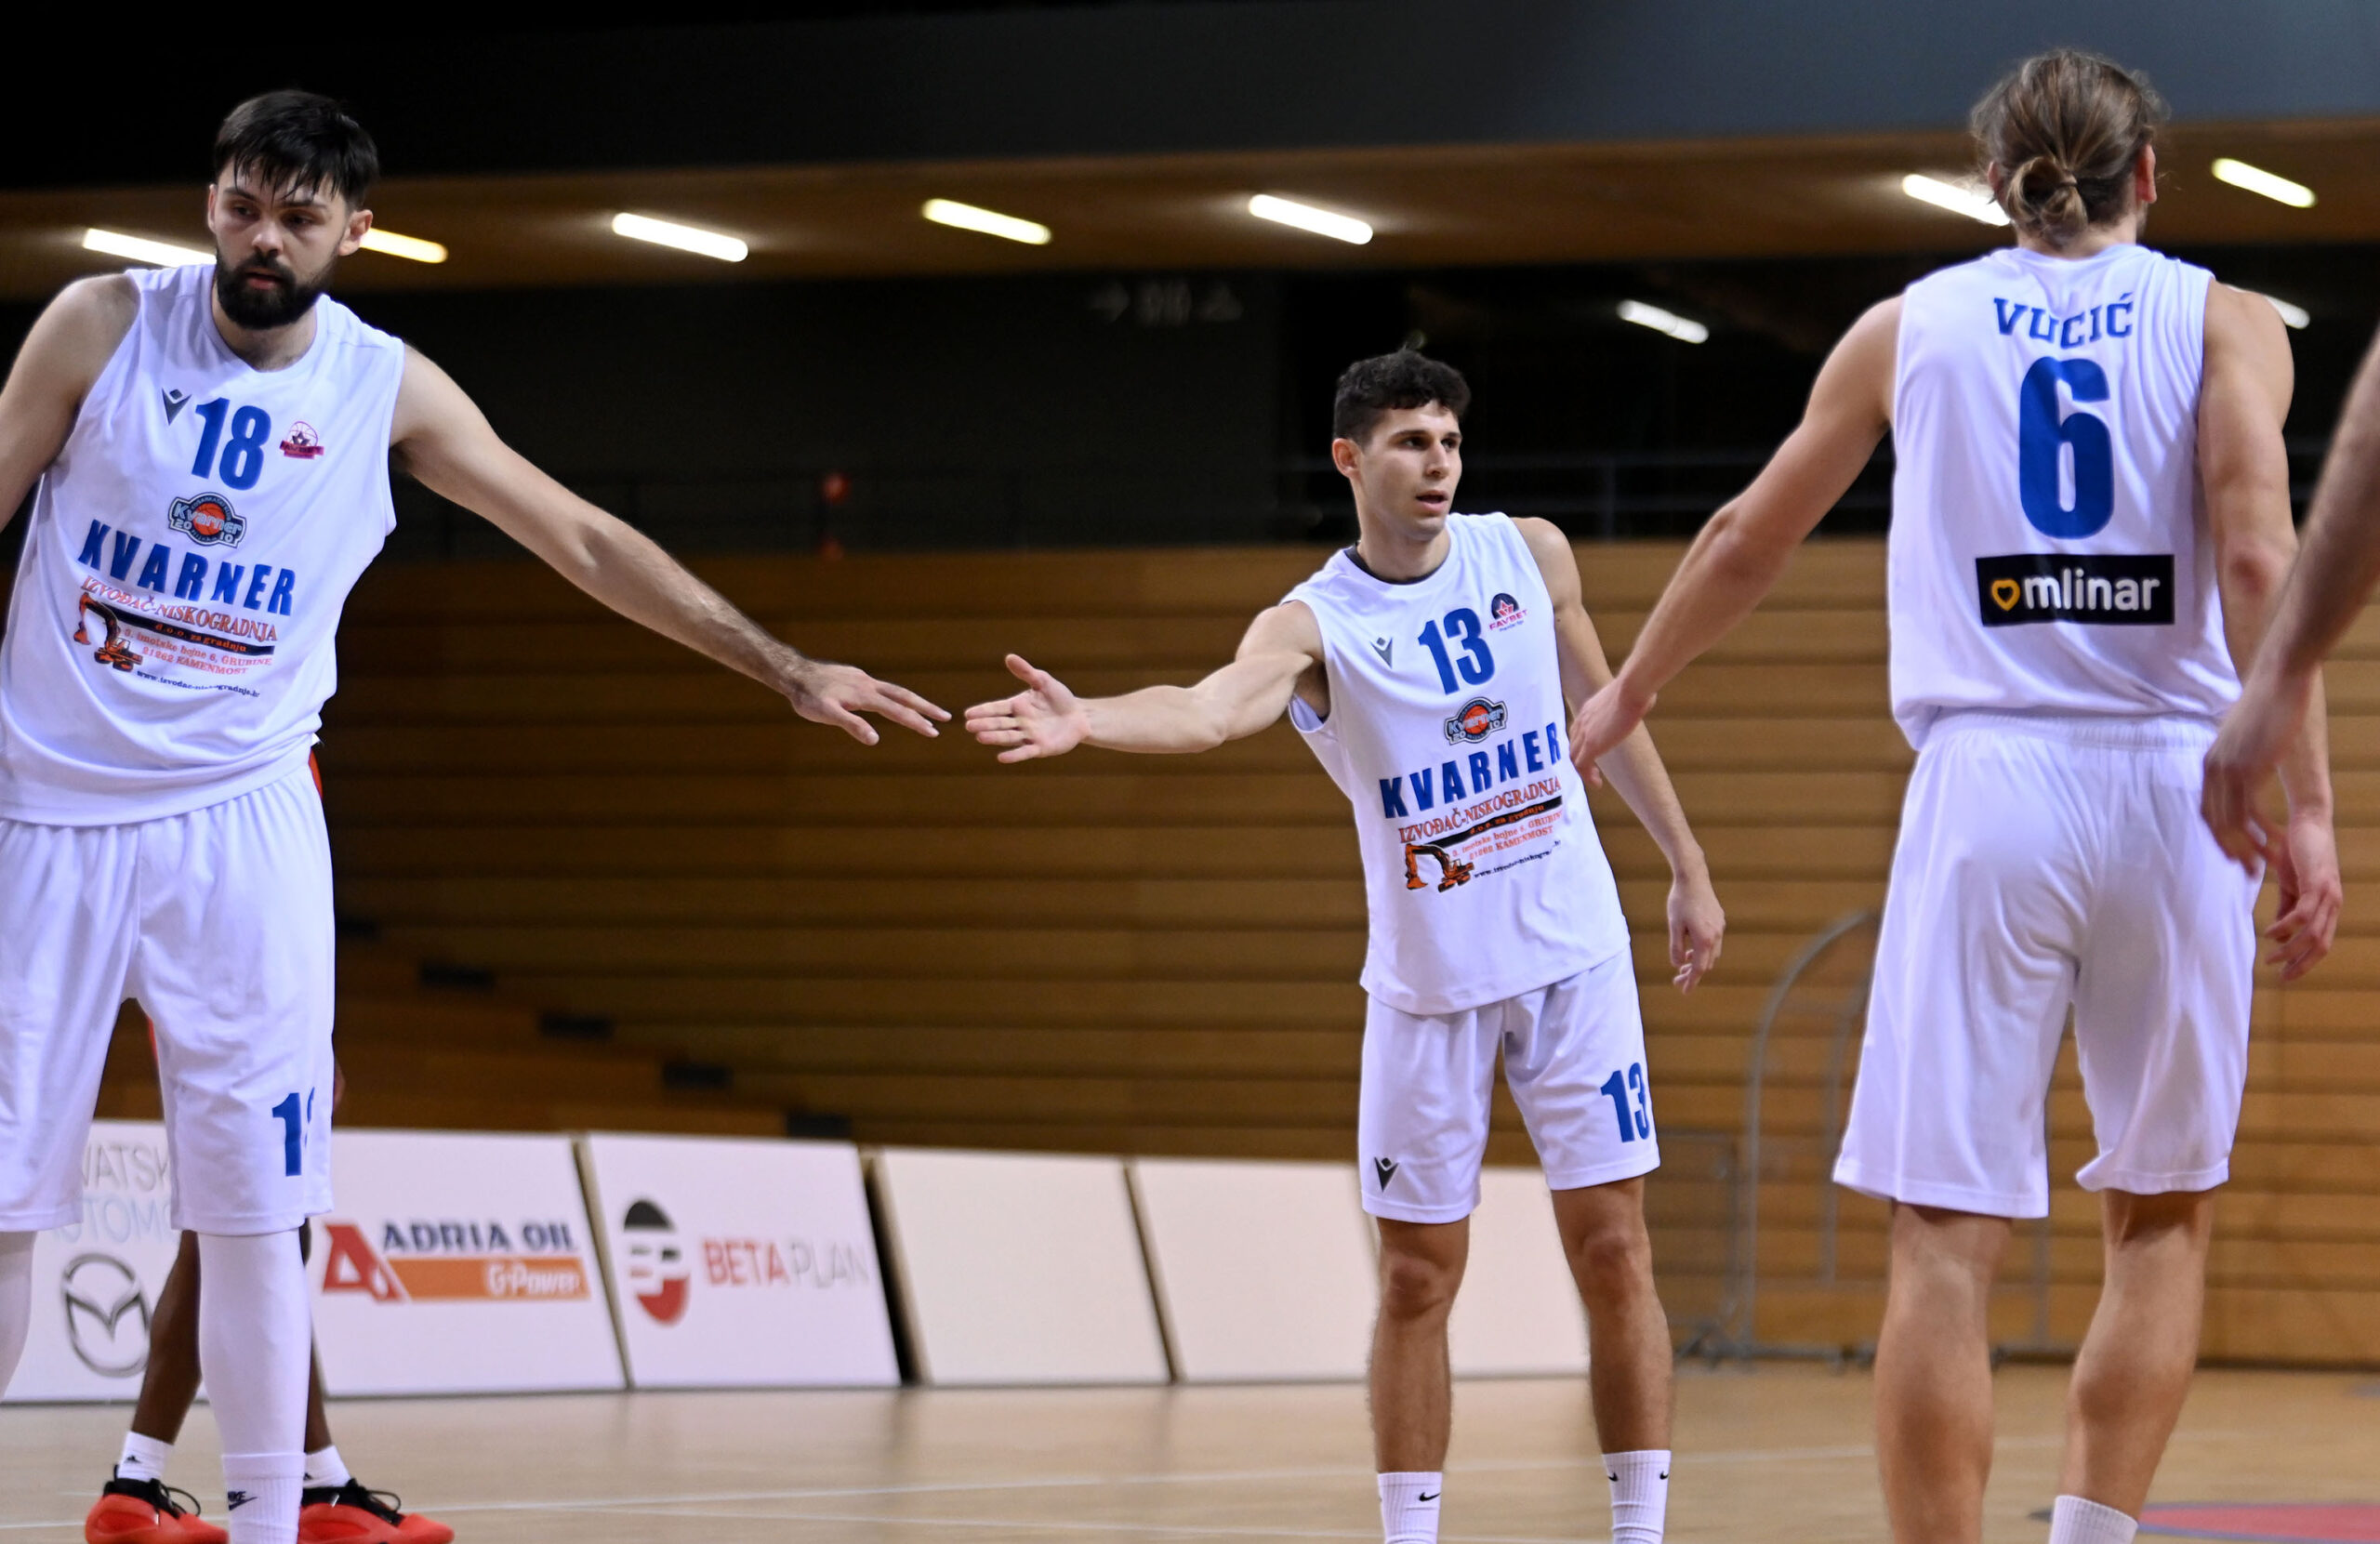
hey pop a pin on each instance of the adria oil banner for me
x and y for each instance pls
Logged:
(747, 1263)
(96, 1280)
(459, 1262)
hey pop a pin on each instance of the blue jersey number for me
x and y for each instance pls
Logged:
(2042, 435)
(1476, 664)
(292, 1115)
(243, 456)
(1634, 1123)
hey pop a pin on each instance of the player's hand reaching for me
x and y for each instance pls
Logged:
(838, 695)
(1697, 924)
(2255, 733)
(1043, 719)
(2305, 866)
(1610, 717)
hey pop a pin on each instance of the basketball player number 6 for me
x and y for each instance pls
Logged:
(2042, 435)
(1634, 1123)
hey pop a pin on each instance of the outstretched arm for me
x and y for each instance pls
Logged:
(2327, 587)
(1696, 922)
(442, 438)
(1743, 549)
(2243, 471)
(1282, 645)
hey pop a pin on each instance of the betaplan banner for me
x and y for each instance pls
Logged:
(96, 1280)
(741, 1263)
(459, 1262)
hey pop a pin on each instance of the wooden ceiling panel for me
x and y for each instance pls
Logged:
(1433, 206)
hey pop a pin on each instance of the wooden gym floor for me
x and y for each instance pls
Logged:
(1780, 1452)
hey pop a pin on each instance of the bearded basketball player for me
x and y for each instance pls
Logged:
(2090, 523)
(208, 450)
(1428, 667)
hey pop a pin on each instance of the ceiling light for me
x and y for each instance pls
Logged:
(2256, 179)
(1305, 216)
(685, 238)
(990, 222)
(140, 249)
(2295, 316)
(413, 248)
(1677, 327)
(1968, 200)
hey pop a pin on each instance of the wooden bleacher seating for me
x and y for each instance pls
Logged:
(1158, 954)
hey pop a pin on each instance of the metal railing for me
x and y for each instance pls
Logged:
(1820, 999)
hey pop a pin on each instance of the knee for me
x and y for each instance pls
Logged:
(1612, 1261)
(1416, 1286)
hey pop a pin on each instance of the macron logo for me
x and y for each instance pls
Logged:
(1386, 1169)
(1385, 648)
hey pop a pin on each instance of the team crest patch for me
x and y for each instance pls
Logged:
(1504, 612)
(207, 519)
(304, 443)
(1475, 722)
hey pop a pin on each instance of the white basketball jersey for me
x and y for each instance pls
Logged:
(1482, 871)
(170, 640)
(2047, 552)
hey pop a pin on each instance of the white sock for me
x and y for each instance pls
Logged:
(1409, 1507)
(324, 1467)
(255, 1348)
(144, 1457)
(1640, 1495)
(16, 1300)
(262, 1490)
(2074, 1520)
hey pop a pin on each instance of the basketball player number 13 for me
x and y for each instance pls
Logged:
(1637, 1122)
(1476, 664)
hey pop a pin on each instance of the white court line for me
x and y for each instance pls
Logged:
(1331, 1472)
(1749, 1455)
(1035, 1525)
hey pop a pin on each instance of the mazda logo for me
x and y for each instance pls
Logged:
(107, 1314)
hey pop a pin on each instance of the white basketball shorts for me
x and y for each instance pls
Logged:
(219, 922)
(2049, 861)
(1574, 1056)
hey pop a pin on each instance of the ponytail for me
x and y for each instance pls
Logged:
(2065, 130)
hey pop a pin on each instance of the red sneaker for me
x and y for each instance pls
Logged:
(350, 1515)
(144, 1512)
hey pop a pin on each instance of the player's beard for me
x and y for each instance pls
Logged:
(262, 311)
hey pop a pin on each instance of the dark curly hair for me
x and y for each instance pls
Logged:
(1371, 389)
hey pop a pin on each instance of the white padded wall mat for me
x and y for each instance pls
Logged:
(1266, 1271)
(1518, 1312)
(1018, 1268)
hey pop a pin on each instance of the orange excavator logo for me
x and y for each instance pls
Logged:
(114, 651)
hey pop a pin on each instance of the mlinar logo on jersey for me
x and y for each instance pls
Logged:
(2104, 588)
(1475, 722)
(304, 443)
(208, 520)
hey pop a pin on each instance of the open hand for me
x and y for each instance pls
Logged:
(1608, 718)
(1696, 927)
(2305, 866)
(1043, 719)
(838, 695)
